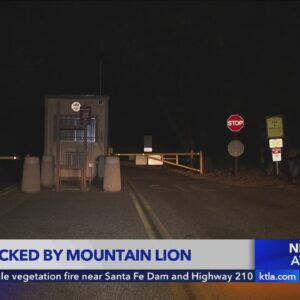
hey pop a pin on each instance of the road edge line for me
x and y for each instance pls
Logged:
(147, 226)
(158, 224)
(180, 291)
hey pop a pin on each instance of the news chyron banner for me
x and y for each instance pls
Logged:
(149, 261)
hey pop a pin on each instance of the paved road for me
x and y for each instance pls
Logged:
(73, 215)
(199, 209)
(173, 205)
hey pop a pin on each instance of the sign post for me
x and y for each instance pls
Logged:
(236, 148)
(275, 133)
(85, 115)
(235, 123)
(85, 119)
(276, 156)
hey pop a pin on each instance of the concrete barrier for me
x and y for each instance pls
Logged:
(47, 174)
(112, 174)
(31, 182)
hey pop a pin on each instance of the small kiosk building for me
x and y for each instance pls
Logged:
(76, 136)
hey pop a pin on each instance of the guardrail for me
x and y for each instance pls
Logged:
(172, 159)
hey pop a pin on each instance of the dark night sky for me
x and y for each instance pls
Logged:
(175, 70)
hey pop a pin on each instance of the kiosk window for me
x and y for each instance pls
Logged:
(72, 131)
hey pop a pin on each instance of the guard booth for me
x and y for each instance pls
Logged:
(76, 136)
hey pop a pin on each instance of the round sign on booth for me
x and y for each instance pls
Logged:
(235, 123)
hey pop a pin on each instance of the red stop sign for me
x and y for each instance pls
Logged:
(235, 123)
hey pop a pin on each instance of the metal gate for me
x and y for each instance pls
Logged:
(192, 161)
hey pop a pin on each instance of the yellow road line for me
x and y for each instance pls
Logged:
(144, 219)
(161, 228)
(180, 291)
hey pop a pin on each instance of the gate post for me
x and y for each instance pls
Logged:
(201, 162)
